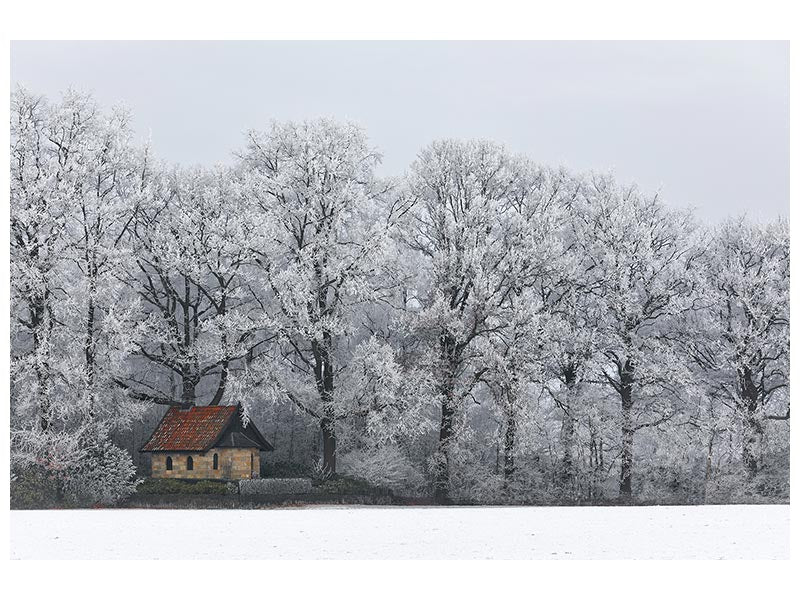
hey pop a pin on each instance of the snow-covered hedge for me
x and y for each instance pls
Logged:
(275, 486)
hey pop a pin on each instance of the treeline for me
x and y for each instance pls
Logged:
(481, 328)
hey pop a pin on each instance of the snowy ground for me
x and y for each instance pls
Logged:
(362, 532)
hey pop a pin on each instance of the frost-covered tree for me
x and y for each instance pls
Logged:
(97, 306)
(71, 182)
(321, 226)
(536, 260)
(644, 264)
(574, 313)
(43, 152)
(743, 343)
(190, 241)
(461, 192)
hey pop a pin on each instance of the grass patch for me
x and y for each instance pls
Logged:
(182, 486)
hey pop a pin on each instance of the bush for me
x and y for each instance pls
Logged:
(183, 486)
(275, 486)
(105, 475)
(102, 474)
(34, 488)
(319, 472)
(342, 484)
(384, 467)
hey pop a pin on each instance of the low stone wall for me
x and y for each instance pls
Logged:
(275, 487)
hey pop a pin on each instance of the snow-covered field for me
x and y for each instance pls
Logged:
(367, 532)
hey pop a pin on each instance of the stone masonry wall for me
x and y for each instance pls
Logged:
(234, 463)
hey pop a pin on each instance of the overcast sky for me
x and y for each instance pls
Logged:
(704, 123)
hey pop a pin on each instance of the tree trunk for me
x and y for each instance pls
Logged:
(569, 475)
(509, 446)
(38, 311)
(225, 363)
(89, 343)
(189, 381)
(752, 439)
(447, 347)
(328, 446)
(223, 382)
(626, 395)
(442, 485)
(749, 403)
(709, 463)
(323, 373)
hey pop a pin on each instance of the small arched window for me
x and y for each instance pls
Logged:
(189, 463)
(216, 461)
(169, 463)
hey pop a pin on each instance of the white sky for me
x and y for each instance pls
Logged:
(706, 123)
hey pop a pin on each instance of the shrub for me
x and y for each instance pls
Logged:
(275, 486)
(385, 467)
(342, 484)
(33, 488)
(319, 472)
(105, 475)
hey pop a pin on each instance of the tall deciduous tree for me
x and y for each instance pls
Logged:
(191, 245)
(743, 344)
(644, 271)
(322, 223)
(71, 183)
(531, 221)
(43, 155)
(460, 191)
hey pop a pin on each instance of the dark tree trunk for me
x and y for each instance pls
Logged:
(190, 371)
(328, 445)
(626, 396)
(189, 381)
(90, 343)
(709, 463)
(569, 475)
(750, 445)
(509, 448)
(38, 311)
(447, 346)
(223, 381)
(749, 403)
(323, 373)
(225, 362)
(442, 486)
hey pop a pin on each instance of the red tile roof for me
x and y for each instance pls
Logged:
(193, 429)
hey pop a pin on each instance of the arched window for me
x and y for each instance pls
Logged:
(169, 463)
(216, 461)
(189, 464)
